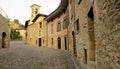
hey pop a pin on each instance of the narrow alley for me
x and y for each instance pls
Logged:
(22, 56)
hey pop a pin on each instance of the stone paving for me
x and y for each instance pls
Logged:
(21, 56)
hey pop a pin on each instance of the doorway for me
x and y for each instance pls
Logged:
(74, 45)
(40, 43)
(65, 40)
(59, 43)
(3, 40)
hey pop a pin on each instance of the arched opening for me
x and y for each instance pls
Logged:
(3, 39)
(91, 34)
(65, 40)
(59, 43)
(74, 45)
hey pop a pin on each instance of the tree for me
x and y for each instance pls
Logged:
(16, 21)
(14, 34)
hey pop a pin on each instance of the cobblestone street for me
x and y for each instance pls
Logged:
(21, 56)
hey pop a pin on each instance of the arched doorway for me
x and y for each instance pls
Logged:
(74, 45)
(3, 39)
(59, 43)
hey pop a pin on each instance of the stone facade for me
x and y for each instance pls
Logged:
(94, 33)
(36, 28)
(4, 32)
(107, 33)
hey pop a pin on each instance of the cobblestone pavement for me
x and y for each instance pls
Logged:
(21, 56)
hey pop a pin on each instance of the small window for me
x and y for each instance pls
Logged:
(77, 27)
(91, 14)
(65, 24)
(39, 33)
(52, 29)
(79, 1)
(40, 24)
(77, 23)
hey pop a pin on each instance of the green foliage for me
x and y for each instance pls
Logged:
(14, 34)
(16, 21)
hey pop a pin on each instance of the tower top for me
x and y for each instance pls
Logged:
(35, 5)
(35, 9)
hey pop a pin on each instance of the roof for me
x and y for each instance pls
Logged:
(36, 5)
(26, 23)
(36, 17)
(61, 8)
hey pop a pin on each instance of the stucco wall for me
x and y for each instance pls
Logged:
(62, 34)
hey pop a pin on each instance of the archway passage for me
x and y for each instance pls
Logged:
(59, 43)
(3, 39)
(74, 45)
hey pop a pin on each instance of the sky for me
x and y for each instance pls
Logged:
(21, 10)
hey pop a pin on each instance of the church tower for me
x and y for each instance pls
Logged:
(35, 9)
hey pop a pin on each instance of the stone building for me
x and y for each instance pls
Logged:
(4, 32)
(94, 33)
(36, 28)
(57, 23)
(88, 29)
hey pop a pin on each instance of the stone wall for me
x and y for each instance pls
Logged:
(4, 28)
(85, 44)
(107, 33)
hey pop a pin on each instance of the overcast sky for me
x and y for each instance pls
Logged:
(20, 9)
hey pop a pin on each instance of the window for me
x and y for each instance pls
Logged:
(77, 24)
(64, 24)
(90, 14)
(39, 33)
(79, 1)
(52, 29)
(35, 10)
(58, 27)
(40, 24)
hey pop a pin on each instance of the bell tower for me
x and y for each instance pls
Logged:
(35, 9)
